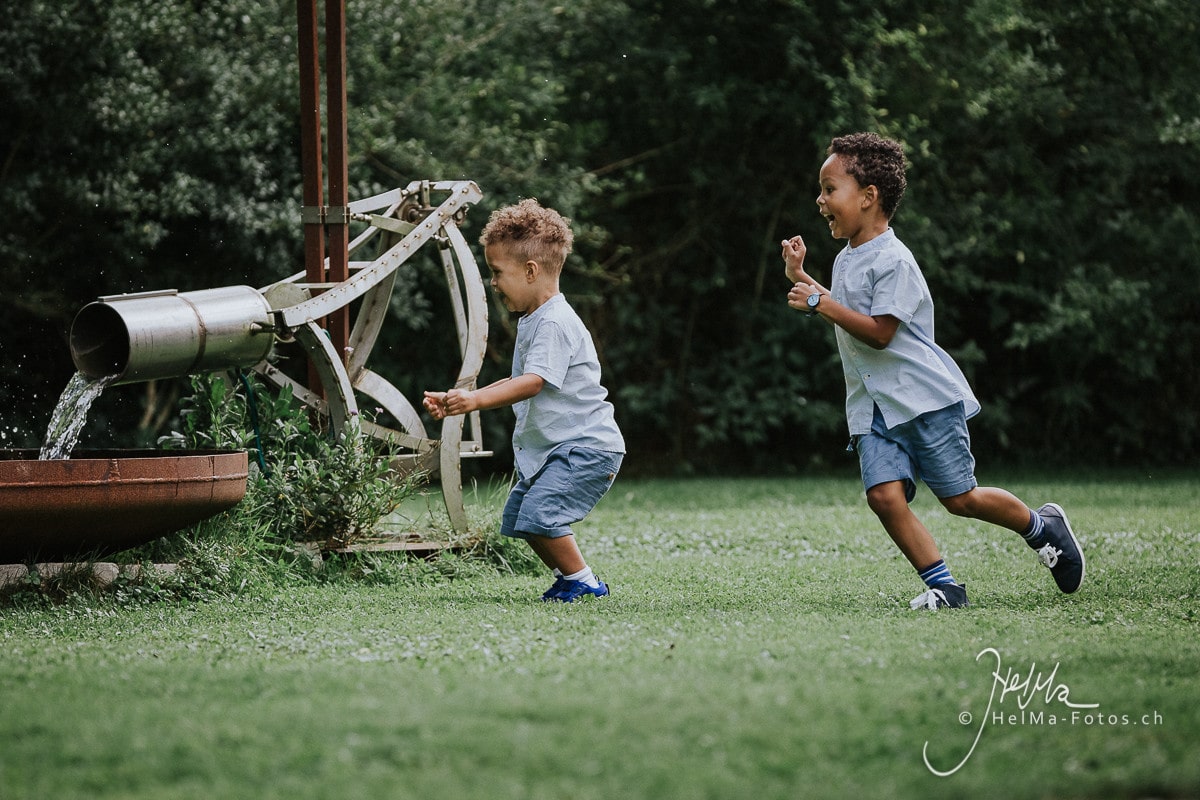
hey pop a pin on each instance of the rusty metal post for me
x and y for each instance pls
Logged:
(338, 214)
(313, 212)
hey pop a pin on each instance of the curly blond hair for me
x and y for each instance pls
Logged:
(533, 232)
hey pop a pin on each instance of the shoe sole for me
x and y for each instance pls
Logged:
(1078, 548)
(577, 599)
(562, 597)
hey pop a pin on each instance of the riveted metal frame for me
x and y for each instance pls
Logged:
(406, 220)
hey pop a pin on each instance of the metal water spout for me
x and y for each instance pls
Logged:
(165, 334)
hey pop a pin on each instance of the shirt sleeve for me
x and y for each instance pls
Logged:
(897, 290)
(550, 353)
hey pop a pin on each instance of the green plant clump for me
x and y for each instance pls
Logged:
(307, 485)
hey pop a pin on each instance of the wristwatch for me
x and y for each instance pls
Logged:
(813, 301)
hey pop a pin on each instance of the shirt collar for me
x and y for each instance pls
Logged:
(878, 242)
(538, 311)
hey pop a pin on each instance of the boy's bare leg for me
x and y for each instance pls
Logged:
(997, 506)
(1046, 530)
(915, 541)
(559, 553)
(540, 552)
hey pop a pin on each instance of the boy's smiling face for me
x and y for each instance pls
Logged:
(843, 201)
(510, 277)
(520, 284)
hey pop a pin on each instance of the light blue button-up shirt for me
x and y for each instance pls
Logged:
(912, 375)
(553, 343)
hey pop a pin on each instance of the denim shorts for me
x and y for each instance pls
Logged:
(935, 448)
(564, 491)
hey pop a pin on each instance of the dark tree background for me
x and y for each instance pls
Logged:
(1051, 203)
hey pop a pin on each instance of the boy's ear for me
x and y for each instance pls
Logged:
(870, 195)
(532, 270)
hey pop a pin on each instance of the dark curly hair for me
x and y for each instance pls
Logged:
(534, 232)
(873, 160)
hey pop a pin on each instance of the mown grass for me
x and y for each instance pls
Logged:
(757, 644)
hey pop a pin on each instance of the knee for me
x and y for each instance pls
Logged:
(961, 505)
(887, 499)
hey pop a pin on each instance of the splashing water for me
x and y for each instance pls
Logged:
(70, 414)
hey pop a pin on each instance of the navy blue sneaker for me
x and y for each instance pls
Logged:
(1061, 553)
(573, 590)
(948, 595)
(559, 584)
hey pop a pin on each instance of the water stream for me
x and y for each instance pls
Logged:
(70, 414)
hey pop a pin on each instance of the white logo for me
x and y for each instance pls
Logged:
(1022, 689)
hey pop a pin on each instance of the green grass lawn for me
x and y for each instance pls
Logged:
(758, 644)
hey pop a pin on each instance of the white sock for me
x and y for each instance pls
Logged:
(584, 575)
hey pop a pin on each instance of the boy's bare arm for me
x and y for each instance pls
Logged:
(876, 332)
(503, 392)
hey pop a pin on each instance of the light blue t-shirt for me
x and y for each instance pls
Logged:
(553, 343)
(912, 375)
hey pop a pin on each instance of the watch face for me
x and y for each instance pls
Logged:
(813, 299)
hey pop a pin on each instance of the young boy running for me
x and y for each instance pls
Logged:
(907, 402)
(567, 445)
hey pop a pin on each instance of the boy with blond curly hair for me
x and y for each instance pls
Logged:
(566, 442)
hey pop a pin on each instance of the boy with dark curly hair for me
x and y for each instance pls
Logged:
(567, 445)
(907, 402)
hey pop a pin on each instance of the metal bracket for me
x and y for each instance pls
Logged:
(386, 223)
(325, 215)
(108, 298)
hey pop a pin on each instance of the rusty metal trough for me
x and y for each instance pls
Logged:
(101, 502)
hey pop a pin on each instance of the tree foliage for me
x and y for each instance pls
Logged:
(147, 145)
(155, 145)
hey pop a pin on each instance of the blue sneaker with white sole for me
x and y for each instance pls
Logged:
(1061, 552)
(574, 590)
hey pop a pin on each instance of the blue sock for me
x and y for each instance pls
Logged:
(936, 574)
(1034, 533)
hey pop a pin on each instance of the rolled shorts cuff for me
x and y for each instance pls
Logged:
(545, 533)
(944, 490)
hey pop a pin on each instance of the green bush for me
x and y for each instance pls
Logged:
(307, 484)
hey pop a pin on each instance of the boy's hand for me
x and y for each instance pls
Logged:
(793, 260)
(449, 404)
(799, 293)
